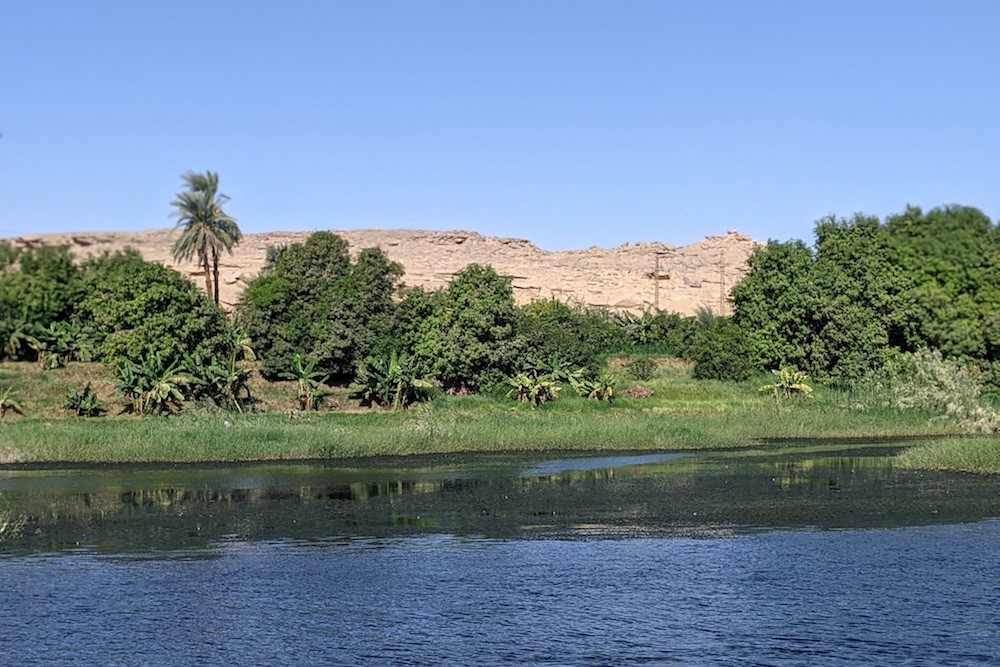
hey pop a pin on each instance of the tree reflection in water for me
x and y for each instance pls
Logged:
(706, 494)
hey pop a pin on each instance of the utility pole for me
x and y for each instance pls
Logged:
(657, 277)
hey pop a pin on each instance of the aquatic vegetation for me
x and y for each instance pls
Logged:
(11, 525)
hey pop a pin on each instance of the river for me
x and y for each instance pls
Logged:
(823, 555)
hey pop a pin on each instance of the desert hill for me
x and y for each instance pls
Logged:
(629, 277)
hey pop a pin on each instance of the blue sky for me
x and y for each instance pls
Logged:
(569, 123)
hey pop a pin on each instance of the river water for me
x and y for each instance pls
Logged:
(827, 556)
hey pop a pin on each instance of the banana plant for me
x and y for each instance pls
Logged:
(530, 387)
(790, 382)
(311, 391)
(152, 386)
(601, 388)
(396, 381)
(8, 402)
(84, 403)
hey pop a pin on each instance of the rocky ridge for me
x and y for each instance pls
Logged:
(631, 277)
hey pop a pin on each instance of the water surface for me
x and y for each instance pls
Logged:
(755, 557)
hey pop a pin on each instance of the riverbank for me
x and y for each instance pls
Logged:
(450, 425)
(974, 455)
(677, 414)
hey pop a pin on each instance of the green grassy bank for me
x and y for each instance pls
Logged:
(680, 415)
(974, 455)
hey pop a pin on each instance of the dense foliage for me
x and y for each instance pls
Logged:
(469, 339)
(311, 300)
(868, 291)
(576, 335)
(139, 308)
(866, 294)
(38, 288)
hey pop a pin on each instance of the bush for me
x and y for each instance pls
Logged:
(532, 388)
(84, 403)
(311, 391)
(139, 309)
(226, 382)
(789, 382)
(722, 352)
(396, 381)
(601, 388)
(641, 368)
(8, 402)
(37, 288)
(924, 380)
(469, 341)
(152, 386)
(575, 334)
(311, 300)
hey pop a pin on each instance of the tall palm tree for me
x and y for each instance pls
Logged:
(207, 230)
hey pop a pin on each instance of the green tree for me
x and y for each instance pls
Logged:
(952, 257)
(311, 300)
(869, 290)
(207, 229)
(38, 288)
(575, 334)
(139, 308)
(836, 311)
(470, 340)
(721, 351)
(774, 305)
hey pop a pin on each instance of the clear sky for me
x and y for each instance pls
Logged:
(567, 122)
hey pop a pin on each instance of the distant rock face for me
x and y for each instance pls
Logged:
(632, 277)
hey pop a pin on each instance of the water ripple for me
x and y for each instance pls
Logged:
(922, 595)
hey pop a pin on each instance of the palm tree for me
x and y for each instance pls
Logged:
(207, 229)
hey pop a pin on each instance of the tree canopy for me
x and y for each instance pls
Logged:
(867, 290)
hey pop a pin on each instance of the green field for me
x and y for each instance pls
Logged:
(681, 413)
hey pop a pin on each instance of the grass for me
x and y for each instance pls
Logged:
(680, 414)
(973, 455)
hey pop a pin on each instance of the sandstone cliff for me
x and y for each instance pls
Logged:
(629, 277)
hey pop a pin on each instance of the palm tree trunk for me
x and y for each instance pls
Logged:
(215, 274)
(208, 275)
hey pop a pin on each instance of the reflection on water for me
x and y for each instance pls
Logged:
(609, 463)
(504, 560)
(503, 496)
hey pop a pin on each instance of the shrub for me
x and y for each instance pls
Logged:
(555, 368)
(396, 381)
(721, 352)
(532, 388)
(311, 391)
(575, 334)
(226, 382)
(641, 368)
(790, 382)
(8, 402)
(141, 309)
(924, 380)
(601, 388)
(153, 386)
(84, 403)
